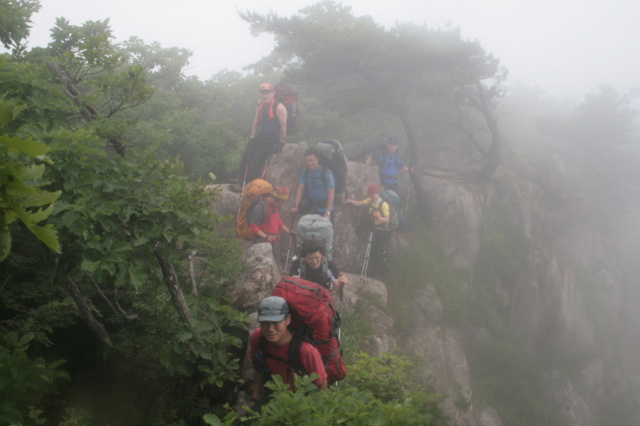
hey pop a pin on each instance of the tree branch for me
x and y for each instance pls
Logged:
(192, 273)
(86, 314)
(171, 280)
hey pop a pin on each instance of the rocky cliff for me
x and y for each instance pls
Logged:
(541, 304)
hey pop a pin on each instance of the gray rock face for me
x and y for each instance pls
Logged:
(544, 298)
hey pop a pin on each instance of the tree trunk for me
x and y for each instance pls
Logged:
(171, 280)
(493, 154)
(86, 314)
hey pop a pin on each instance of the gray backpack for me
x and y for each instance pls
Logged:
(315, 227)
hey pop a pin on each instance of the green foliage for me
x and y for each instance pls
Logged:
(24, 380)
(505, 376)
(21, 195)
(426, 262)
(15, 17)
(405, 402)
(356, 326)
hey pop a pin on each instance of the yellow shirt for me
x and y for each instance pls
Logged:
(381, 207)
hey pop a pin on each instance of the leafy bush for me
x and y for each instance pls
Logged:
(379, 391)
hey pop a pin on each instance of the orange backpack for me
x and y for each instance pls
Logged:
(252, 193)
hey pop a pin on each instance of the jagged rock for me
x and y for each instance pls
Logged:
(258, 281)
(351, 226)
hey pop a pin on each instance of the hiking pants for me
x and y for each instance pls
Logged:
(255, 156)
(379, 246)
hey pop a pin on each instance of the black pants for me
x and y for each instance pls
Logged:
(379, 246)
(255, 157)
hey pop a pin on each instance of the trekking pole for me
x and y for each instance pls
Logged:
(266, 165)
(365, 265)
(406, 207)
(286, 265)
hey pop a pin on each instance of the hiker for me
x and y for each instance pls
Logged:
(389, 163)
(313, 265)
(268, 134)
(265, 222)
(380, 217)
(270, 346)
(316, 188)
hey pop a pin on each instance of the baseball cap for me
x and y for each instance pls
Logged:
(266, 87)
(273, 308)
(281, 193)
(391, 141)
(373, 189)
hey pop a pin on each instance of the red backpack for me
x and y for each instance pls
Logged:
(287, 95)
(313, 315)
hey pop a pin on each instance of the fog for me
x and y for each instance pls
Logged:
(565, 47)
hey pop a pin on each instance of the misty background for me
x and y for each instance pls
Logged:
(566, 48)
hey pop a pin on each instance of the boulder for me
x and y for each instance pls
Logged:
(259, 279)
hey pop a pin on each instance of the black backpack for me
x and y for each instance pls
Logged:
(333, 157)
(287, 95)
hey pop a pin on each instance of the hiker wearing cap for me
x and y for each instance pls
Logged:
(312, 265)
(265, 222)
(316, 188)
(268, 133)
(272, 345)
(379, 213)
(389, 163)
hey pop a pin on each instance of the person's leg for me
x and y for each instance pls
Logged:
(258, 158)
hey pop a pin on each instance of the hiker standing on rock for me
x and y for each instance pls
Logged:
(379, 213)
(389, 163)
(271, 350)
(268, 134)
(265, 220)
(314, 266)
(319, 183)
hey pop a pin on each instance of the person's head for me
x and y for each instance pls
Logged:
(373, 191)
(313, 253)
(280, 194)
(391, 144)
(266, 92)
(311, 158)
(274, 318)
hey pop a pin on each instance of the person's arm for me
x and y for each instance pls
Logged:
(281, 111)
(369, 160)
(254, 126)
(356, 202)
(296, 203)
(256, 388)
(332, 194)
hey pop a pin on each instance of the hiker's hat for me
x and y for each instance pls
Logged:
(273, 308)
(266, 87)
(281, 193)
(373, 189)
(391, 141)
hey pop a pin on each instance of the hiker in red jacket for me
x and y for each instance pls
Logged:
(271, 347)
(265, 222)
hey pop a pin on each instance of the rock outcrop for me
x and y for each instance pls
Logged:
(559, 274)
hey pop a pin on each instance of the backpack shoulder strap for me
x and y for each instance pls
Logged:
(294, 354)
(303, 269)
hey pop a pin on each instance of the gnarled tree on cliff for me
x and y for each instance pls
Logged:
(355, 65)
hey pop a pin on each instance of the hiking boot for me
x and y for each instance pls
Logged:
(235, 187)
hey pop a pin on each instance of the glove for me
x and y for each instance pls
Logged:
(277, 148)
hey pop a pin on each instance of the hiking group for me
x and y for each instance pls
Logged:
(299, 326)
